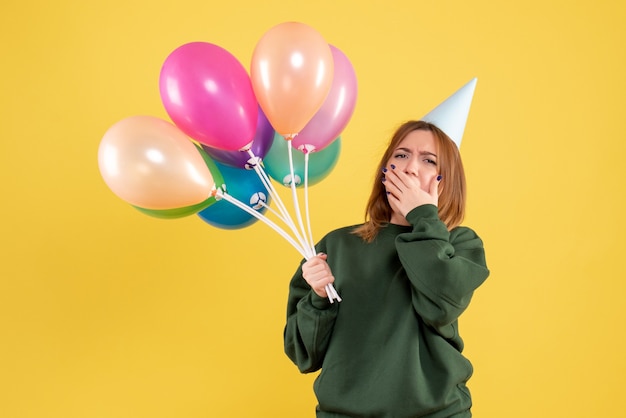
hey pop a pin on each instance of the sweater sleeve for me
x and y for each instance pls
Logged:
(444, 267)
(310, 321)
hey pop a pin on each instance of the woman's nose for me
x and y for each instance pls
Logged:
(411, 167)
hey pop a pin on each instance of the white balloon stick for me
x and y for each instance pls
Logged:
(303, 242)
(285, 217)
(262, 218)
(296, 203)
(306, 199)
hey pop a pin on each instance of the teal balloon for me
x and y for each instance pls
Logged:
(245, 186)
(321, 163)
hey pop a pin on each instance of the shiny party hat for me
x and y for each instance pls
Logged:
(451, 115)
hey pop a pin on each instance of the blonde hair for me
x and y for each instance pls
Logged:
(452, 188)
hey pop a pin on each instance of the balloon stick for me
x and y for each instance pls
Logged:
(294, 195)
(248, 209)
(304, 244)
(330, 289)
(306, 198)
(284, 216)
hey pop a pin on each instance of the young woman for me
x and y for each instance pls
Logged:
(392, 348)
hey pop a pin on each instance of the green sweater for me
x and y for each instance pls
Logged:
(391, 348)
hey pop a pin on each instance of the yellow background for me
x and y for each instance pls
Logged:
(105, 312)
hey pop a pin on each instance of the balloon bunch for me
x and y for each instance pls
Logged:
(233, 133)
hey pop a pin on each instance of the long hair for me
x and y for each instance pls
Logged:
(452, 189)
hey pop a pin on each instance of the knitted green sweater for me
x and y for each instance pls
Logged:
(391, 348)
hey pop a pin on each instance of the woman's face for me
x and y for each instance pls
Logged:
(416, 155)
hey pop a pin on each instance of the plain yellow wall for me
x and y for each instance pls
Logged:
(105, 312)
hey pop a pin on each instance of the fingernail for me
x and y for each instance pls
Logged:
(384, 169)
(388, 192)
(393, 167)
(384, 179)
(439, 177)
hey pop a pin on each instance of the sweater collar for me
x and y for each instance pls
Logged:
(395, 229)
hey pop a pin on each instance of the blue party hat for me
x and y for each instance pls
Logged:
(451, 115)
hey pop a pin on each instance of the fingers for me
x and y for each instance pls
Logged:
(406, 191)
(403, 190)
(392, 180)
(317, 274)
(434, 187)
(397, 182)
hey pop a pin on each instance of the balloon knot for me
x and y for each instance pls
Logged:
(252, 162)
(246, 147)
(218, 192)
(306, 148)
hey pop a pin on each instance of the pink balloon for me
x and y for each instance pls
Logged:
(208, 95)
(150, 163)
(336, 111)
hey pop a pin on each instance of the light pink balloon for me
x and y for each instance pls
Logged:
(336, 111)
(208, 94)
(150, 163)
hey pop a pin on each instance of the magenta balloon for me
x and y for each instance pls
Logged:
(336, 111)
(208, 95)
(261, 144)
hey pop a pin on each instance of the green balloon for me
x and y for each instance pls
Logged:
(321, 163)
(177, 212)
(218, 179)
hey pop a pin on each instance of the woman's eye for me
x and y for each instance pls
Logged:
(400, 155)
(429, 161)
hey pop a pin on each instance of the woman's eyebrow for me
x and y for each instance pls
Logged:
(427, 153)
(409, 151)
